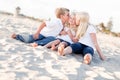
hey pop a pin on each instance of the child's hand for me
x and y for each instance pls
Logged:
(63, 33)
(102, 57)
(75, 39)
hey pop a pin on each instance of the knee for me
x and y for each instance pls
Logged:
(88, 50)
(29, 39)
(67, 50)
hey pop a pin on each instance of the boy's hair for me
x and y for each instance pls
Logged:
(61, 11)
(83, 17)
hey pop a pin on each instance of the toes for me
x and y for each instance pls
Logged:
(87, 59)
(60, 50)
(13, 36)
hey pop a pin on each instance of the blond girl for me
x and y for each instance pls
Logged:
(87, 43)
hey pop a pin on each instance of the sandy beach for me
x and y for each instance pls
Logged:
(19, 61)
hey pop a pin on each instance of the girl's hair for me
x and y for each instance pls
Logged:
(61, 11)
(83, 18)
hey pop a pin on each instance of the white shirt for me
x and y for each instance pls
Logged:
(86, 39)
(66, 37)
(52, 28)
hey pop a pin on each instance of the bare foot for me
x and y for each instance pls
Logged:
(87, 59)
(34, 44)
(53, 47)
(60, 50)
(13, 36)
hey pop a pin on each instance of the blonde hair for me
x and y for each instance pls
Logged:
(61, 11)
(83, 18)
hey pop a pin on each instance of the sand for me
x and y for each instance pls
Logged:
(19, 61)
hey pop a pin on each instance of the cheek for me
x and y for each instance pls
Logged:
(67, 18)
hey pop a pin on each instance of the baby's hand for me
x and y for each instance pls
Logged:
(75, 39)
(103, 57)
(63, 33)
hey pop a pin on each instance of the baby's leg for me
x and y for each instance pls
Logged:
(48, 45)
(54, 44)
(61, 47)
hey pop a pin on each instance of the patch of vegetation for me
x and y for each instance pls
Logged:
(108, 28)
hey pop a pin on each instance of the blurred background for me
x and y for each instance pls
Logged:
(101, 11)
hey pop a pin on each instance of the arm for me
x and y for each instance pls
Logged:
(94, 39)
(38, 30)
(63, 32)
(71, 36)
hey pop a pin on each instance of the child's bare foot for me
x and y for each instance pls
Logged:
(34, 44)
(53, 47)
(87, 59)
(60, 50)
(13, 36)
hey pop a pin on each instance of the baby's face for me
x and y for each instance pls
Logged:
(72, 20)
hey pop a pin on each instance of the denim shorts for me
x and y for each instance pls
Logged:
(27, 38)
(45, 40)
(81, 49)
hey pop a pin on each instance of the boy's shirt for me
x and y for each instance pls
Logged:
(52, 28)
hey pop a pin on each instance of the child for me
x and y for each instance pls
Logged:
(86, 34)
(67, 36)
(48, 30)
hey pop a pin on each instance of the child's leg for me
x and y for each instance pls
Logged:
(72, 48)
(61, 47)
(54, 44)
(48, 45)
(88, 53)
(67, 50)
(45, 40)
(23, 37)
